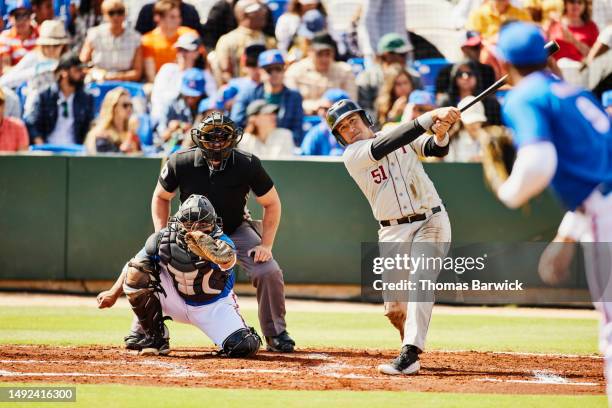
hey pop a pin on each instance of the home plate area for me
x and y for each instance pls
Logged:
(307, 369)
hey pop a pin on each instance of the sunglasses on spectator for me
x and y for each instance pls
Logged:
(116, 12)
(464, 74)
(276, 68)
(127, 105)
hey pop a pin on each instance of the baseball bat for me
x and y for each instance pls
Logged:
(551, 47)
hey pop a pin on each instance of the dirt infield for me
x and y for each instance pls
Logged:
(309, 369)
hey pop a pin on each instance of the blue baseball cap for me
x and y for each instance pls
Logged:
(270, 57)
(193, 82)
(606, 98)
(522, 44)
(335, 94)
(313, 22)
(207, 104)
(18, 4)
(419, 97)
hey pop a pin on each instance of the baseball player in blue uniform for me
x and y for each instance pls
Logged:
(185, 271)
(564, 139)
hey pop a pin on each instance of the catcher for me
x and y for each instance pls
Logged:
(185, 272)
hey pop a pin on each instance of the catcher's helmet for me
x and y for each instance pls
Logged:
(217, 136)
(340, 110)
(197, 213)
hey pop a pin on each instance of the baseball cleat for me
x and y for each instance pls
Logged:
(154, 346)
(131, 340)
(406, 363)
(281, 343)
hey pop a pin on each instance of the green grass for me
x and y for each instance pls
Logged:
(88, 325)
(104, 396)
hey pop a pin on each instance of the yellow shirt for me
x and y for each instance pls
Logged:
(487, 21)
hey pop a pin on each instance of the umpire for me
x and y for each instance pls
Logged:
(215, 169)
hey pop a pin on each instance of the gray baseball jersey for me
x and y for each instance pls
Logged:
(396, 186)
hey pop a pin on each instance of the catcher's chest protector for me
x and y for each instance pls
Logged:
(196, 280)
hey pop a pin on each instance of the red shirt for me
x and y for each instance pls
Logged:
(587, 34)
(15, 47)
(13, 135)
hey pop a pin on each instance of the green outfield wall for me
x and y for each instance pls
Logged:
(67, 217)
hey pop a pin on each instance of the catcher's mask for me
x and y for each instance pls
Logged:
(341, 110)
(217, 136)
(196, 213)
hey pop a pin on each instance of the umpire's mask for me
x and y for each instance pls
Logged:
(217, 136)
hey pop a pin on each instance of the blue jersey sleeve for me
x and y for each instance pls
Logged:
(528, 119)
(228, 240)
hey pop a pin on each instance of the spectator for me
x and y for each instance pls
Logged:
(13, 133)
(167, 85)
(206, 107)
(157, 44)
(222, 19)
(113, 49)
(290, 114)
(36, 68)
(116, 127)
(465, 81)
(419, 103)
(289, 22)
(465, 144)
(472, 50)
(62, 113)
(16, 41)
(174, 127)
(248, 63)
(602, 45)
(12, 104)
(393, 95)
(189, 16)
(319, 140)
(574, 31)
(489, 17)
(313, 22)
(43, 11)
(319, 72)
(251, 17)
(89, 14)
(392, 50)
(606, 101)
(377, 18)
(261, 136)
(541, 11)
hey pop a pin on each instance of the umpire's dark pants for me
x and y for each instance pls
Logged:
(266, 277)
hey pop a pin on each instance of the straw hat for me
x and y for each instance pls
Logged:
(52, 32)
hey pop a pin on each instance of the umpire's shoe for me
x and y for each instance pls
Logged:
(281, 343)
(406, 363)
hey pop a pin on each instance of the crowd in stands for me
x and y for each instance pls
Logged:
(87, 80)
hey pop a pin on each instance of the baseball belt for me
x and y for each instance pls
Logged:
(411, 218)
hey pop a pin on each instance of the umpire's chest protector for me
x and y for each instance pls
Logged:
(196, 280)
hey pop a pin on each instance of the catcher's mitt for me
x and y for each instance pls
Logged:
(206, 247)
(498, 155)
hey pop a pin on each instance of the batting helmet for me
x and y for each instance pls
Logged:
(340, 110)
(217, 136)
(197, 213)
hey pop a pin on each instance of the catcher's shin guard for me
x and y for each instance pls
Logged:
(241, 343)
(148, 310)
